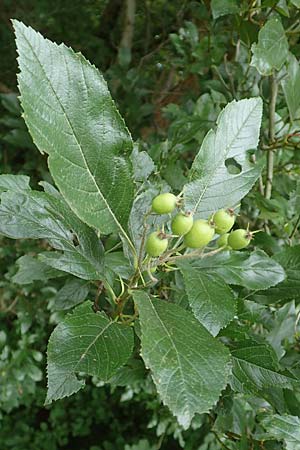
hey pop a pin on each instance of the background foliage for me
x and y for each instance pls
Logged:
(186, 61)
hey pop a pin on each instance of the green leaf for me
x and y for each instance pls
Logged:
(296, 3)
(272, 48)
(255, 368)
(38, 215)
(74, 291)
(189, 367)
(72, 117)
(210, 298)
(253, 270)
(15, 183)
(31, 269)
(223, 7)
(142, 164)
(283, 427)
(288, 289)
(291, 87)
(85, 342)
(212, 186)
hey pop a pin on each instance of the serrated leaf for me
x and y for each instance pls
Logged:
(272, 48)
(283, 427)
(253, 270)
(291, 87)
(15, 183)
(210, 298)
(73, 292)
(189, 367)
(72, 117)
(85, 342)
(38, 215)
(223, 7)
(31, 269)
(212, 186)
(255, 368)
(288, 289)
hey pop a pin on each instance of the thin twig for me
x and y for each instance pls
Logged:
(270, 155)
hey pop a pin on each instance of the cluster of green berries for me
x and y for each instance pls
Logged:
(196, 233)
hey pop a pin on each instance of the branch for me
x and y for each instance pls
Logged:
(270, 155)
(127, 36)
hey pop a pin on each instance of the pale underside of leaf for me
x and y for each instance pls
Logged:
(212, 187)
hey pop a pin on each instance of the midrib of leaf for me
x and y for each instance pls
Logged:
(72, 372)
(78, 144)
(174, 346)
(225, 153)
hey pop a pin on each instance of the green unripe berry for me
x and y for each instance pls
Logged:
(223, 220)
(223, 240)
(156, 244)
(200, 234)
(182, 223)
(164, 203)
(239, 239)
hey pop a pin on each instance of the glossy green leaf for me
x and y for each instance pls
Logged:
(288, 289)
(223, 7)
(291, 87)
(189, 367)
(272, 48)
(210, 298)
(73, 292)
(38, 215)
(85, 342)
(212, 186)
(31, 269)
(253, 270)
(255, 368)
(284, 427)
(72, 117)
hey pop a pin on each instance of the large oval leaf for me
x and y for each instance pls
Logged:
(85, 342)
(189, 366)
(72, 117)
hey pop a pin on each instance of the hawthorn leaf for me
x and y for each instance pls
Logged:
(212, 186)
(210, 298)
(255, 368)
(291, 87)
(284, 427)
(87, 342)
(272, 48)
(253, 270)
(189, 367)
(31, 269)
(72, 117)
(39, 215)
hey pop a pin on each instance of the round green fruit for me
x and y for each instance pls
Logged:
(239, 239)
(200, 234)
(223, 240)
(182, 223)
(223, 220)
(156, 244)
(164, 203)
